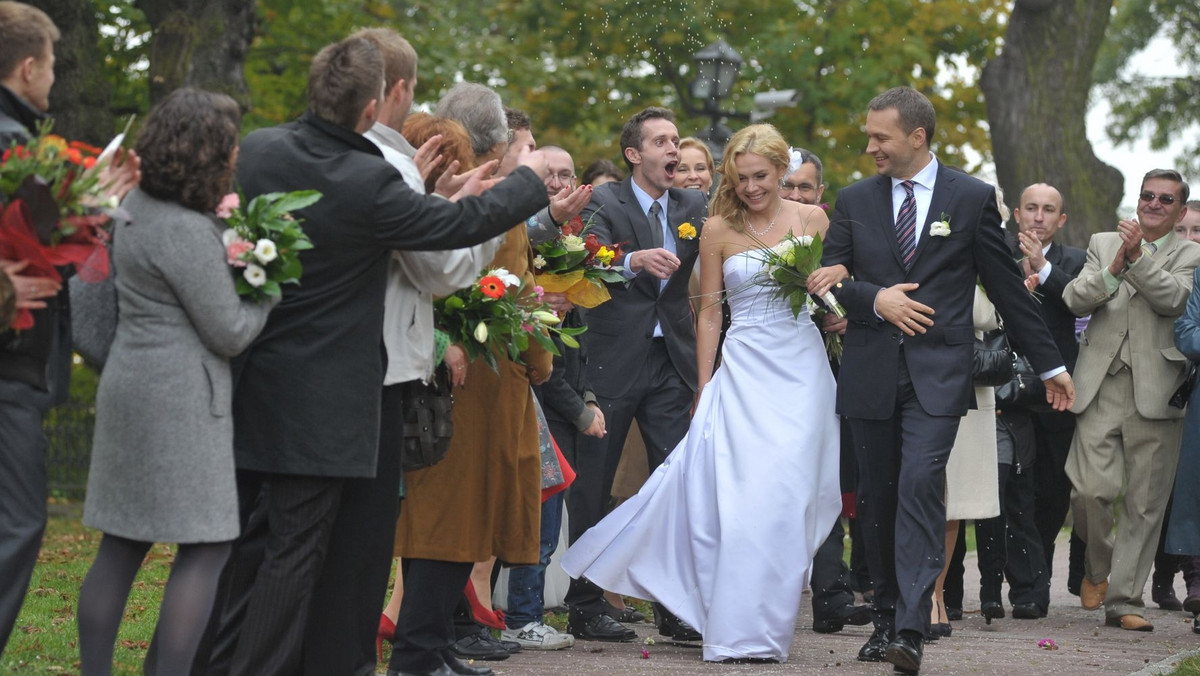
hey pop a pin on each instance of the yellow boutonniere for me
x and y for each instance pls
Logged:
(686, 231)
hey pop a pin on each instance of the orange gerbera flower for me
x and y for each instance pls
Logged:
(492, 287)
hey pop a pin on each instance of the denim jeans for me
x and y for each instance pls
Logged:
(527, 584)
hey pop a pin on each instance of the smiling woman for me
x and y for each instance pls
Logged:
(696, 166)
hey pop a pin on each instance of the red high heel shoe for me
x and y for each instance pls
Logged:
(488, 618)
(387, 632)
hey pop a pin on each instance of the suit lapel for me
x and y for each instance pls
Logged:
(943, 195)
(886, 218)
(637, 218)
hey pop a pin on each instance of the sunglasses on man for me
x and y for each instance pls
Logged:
(1166, 199)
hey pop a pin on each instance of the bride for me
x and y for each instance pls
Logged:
(723, 532)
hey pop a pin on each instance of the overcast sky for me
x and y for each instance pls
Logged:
(1161, 59)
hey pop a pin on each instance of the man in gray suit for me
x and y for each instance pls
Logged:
(641, 344)
(1135, 284)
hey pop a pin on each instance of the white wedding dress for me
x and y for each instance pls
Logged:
(723, 533)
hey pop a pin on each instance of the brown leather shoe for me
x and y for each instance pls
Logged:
(1091, 595)
(1130, 623)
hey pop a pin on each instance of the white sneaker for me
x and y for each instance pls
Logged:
(538, 636)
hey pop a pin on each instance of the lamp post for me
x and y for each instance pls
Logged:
(717, 67)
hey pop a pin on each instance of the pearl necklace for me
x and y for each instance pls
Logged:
(756, 233)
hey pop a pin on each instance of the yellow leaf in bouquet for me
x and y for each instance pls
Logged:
(558, 283)
(588, 293)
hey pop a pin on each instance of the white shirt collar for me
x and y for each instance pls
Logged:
(925, 178)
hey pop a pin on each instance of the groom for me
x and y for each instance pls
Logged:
(915, 240)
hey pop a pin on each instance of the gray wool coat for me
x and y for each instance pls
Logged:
(162, 457)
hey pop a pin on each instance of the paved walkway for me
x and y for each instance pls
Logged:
(1006, 647)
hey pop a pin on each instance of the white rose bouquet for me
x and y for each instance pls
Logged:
(788, 265)
(263, 241)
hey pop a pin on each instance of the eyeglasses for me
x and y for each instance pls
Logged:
(786, 188)
(561, 177)
(1166, 199)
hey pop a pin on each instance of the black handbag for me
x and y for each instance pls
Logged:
(992, 362)
(1181, 396)
(428, 426)
(1024, 390)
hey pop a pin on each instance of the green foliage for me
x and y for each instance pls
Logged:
(125, 46)
(1163, 106)
(580, 69)
(45, 639)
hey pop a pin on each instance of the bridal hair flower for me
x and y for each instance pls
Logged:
(687, 231)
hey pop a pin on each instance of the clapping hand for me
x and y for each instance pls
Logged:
(1131, 246)
(121, 174)
(427, 157)
(894, 305)
(1031, 249)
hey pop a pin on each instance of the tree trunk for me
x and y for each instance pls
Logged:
(1037, 101)
(199, 43)
(80, 98)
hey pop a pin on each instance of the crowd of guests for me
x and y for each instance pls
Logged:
(261, 436)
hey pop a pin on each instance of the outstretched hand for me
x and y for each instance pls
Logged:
(894, 305)
(1060, 391)
(427, 157)
(474, 182)
(567, 203)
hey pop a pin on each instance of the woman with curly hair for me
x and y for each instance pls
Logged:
(162, 457)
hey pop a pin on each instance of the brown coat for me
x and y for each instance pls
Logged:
(484, 498)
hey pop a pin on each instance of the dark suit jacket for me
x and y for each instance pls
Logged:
(862, 237)
(1065, 262)
(620, 330)
(307, 392)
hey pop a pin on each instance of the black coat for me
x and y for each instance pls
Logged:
(307, 392)
(25, 355)
(862, 237)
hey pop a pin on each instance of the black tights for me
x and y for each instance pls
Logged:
(187, 602)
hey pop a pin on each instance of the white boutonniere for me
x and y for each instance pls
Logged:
(940, 228)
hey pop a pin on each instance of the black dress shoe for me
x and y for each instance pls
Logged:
(1164, 596)
(905, 652)
(1027, 611)
(626, 615)
(840, 617)
(954, 614)
(440, 671)
(992, 610)
(479, 646)
(462, 668)
(940, 630)
(600, 627)
(876, 647)
(675, 628)
(1196, 625)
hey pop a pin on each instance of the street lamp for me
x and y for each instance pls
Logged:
(717, 67)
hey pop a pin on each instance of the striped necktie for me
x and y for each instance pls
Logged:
(906, 224)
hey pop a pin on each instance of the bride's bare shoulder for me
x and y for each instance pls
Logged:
(808, 219)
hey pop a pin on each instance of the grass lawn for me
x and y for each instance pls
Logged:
(45, 639)
(1187, 667)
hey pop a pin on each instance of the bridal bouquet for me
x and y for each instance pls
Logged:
(499, 314)
(264, 241)
(53, 215)
(787, 267)
(577, 264)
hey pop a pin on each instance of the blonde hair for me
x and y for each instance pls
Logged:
(757, 139)
(696, 144)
